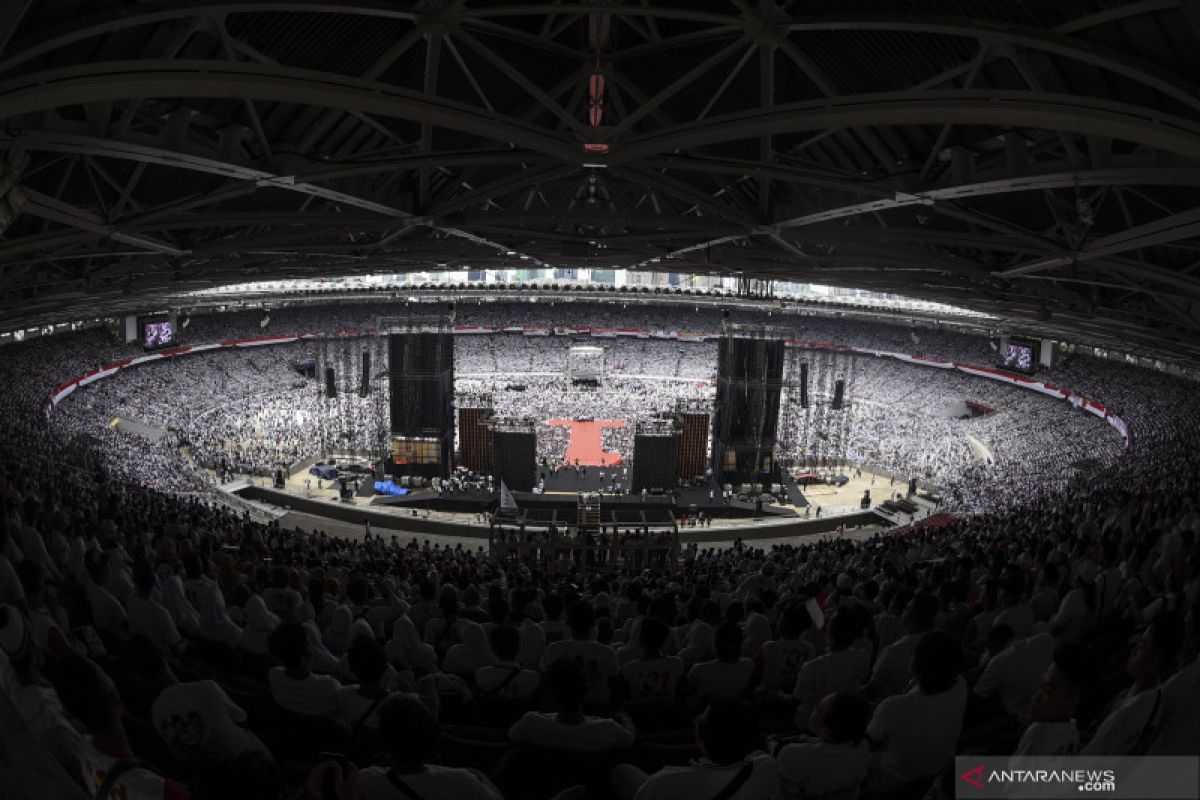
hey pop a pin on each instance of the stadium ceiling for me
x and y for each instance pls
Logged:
(1038, 161)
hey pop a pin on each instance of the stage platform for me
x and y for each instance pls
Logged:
(814, 510)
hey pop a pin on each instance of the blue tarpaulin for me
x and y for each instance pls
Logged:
(324, 471)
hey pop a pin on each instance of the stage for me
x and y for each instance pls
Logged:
(811, 510)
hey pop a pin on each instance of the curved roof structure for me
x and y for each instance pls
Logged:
(1037, 161)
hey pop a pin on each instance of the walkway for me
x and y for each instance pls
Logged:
(586, 446)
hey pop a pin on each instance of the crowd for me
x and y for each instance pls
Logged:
(263, 415)
(160, 646)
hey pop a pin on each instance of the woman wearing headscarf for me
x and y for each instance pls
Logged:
(407, 648)
(473, 653)
(758, 633)
(215, 623)
(322, 660)
(260, 622)
(185, 615)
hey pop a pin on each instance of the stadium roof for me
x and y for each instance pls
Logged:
(1037, 161)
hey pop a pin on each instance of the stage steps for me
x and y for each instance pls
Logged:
(588, 516)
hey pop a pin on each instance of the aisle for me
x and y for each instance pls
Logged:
(587, 446)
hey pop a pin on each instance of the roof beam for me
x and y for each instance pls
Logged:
(97, 82)
(46, 207)
(1050, 111)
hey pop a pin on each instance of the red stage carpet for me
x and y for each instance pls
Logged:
(586, 447)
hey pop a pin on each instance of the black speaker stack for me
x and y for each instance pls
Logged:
(746, 413)
(655, 459)
(421, 378)
(330, 383)
(514, 459)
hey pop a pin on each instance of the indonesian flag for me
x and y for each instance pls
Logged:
(507, 501)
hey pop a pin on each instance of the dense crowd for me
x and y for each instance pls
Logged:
(248, 411)
(159, 646)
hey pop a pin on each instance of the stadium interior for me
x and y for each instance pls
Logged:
(625, 400)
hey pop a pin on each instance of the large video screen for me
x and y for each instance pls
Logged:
(1018, 355)
(159, 332)
(416, 451)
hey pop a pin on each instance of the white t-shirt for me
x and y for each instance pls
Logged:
(653, 679)
(1019, 618)
(151, 620)
(107, 612)
(315, 695)
(713, 679)
(1120, 731)
(599, 664)
(782, 661)
(705, 779)
(593, 735)
(434, 783)
(1049, 739)
(137, 783)
(816, 768)
(836, 671)
(1015, 673)
(521, 686)
(199, 719)
(918, 733)
(893, 670)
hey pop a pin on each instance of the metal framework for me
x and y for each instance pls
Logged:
(1037, 161)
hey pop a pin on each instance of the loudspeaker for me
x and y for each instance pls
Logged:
(839, 391)
(912, 486)
(330, 383)
(514, 460)
(746, 410)
(655, 458)
(364, 388)
(804, 384)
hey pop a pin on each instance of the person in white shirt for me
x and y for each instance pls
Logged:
(1014, 613)
(283, 601)
(842, 669)
(1014, 673)
(735, 765)
(358, 704)
(107, 612)
(554, 628)
(893, 669)
(729, 674)
(568, 728)
(834, 766)
(506, 678)
(599, 661)
(409, 736)
(260, 624)
(34, 699)
(293, 686)
(783, 658)
(105, 756)
(471, 654)
(147, 617)
(1052, 731)
(916, 734)
(654, 677)
(196, 720)
(1135, 715)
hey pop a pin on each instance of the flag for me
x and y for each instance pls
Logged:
(506, 498)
